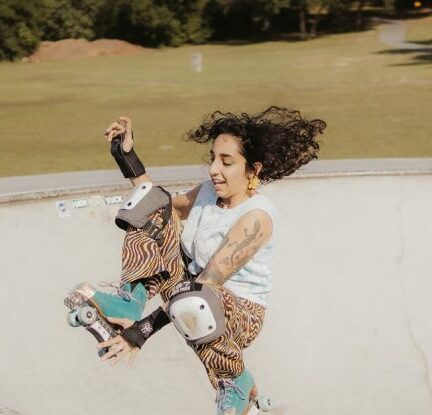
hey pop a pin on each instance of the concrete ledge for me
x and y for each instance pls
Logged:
(43, 186)
(175, 177)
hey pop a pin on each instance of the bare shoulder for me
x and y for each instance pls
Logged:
(254, 228)
(183, 203)
(256, 223)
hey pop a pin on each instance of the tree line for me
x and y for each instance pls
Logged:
(157, 23)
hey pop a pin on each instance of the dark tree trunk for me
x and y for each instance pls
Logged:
(314, 25)
(359, 15)
(314, 21)
(303, 28)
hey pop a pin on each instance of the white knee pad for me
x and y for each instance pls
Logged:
(198, 315)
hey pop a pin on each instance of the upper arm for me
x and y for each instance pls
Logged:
(240, 244)
(183, 203)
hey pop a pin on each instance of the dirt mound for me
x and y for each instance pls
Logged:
(72, 49)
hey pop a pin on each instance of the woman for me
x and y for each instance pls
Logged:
(227, 238)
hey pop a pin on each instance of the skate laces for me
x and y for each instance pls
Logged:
(225, 393)
(119, 288)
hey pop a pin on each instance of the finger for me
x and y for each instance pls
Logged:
(118, 357)
(110, 136)
(109, 354)
(111, 127)
(113, 351)
(111, 342)
(132, 357)
(115, 133)
(107, 343)
(115, 127)
(125, 120)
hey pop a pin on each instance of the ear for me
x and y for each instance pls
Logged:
(257, 167)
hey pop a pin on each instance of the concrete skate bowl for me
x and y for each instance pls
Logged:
(348, 330)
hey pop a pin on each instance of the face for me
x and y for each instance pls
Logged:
(228, 167)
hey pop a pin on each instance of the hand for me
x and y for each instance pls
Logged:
(118, 347)
(122, 126)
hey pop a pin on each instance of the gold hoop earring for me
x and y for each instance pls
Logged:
(254, 182)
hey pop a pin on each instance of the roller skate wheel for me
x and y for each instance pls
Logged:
(86, 315)
(264, 404)
(72, 319)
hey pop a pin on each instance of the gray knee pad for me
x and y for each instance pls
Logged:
(197, 313)
(144, 200)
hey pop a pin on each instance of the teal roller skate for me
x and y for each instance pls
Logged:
(90, 308)
(237, 396)
(124, 304)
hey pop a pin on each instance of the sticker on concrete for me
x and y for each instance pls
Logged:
(7, 411)
(179, 192)
(62, 209)
(114, 200)
(80, 203)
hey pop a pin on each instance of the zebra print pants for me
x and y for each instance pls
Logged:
(143, 259)
(223, 358)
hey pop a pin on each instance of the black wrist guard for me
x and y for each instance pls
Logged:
(138, 334)
(129, 163)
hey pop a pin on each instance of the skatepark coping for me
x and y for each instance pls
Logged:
(20, 188)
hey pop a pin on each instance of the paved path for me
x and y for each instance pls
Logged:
(392, 33)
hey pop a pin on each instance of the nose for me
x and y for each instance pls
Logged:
(214, 168)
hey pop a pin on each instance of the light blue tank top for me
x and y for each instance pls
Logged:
(204, 230)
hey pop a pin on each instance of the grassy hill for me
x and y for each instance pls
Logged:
(420, 30)
(52, 115)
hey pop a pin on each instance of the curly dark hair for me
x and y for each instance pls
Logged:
(280, 138)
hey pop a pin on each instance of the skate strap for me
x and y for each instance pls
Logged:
(224, 393)
(119, 287)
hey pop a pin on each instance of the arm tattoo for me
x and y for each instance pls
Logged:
(241, 253)
(240, 248)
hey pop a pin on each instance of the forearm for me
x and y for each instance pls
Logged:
(213, 275)
(136, 181)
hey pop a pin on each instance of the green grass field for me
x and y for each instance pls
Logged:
(376, 104)
(420, 30)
